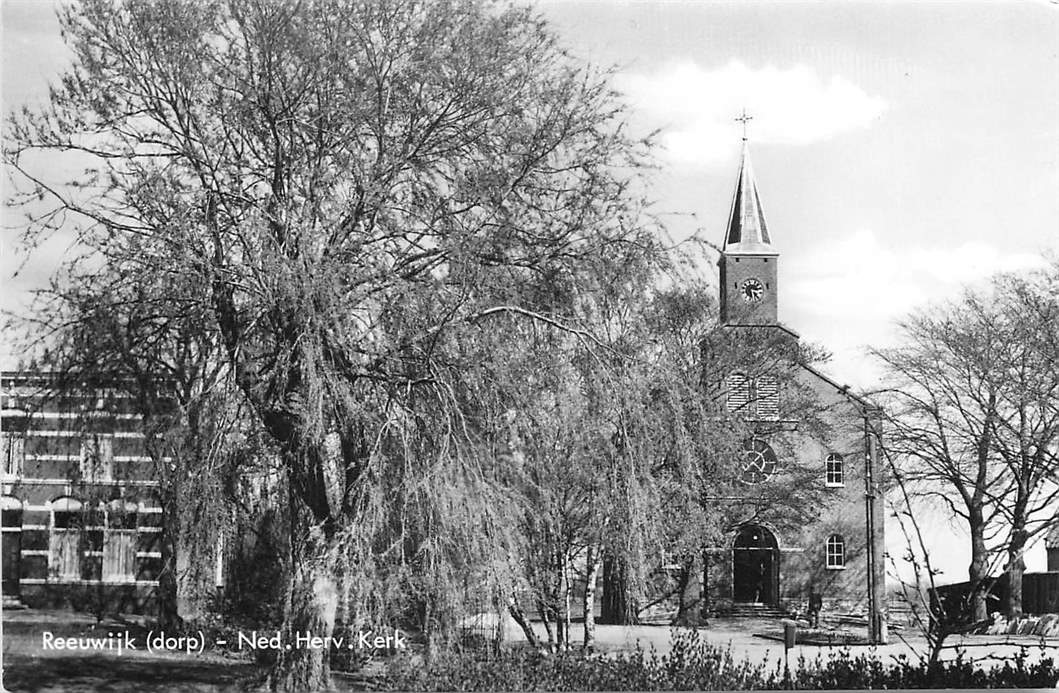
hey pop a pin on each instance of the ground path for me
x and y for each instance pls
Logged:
(742, 636)
(28, 667)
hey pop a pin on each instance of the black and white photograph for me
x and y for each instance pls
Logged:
(529, 345)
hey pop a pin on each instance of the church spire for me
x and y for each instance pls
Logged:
(747, 265)
(747, 231)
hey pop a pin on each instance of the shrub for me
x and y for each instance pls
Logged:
(842, 670)
(694, 664)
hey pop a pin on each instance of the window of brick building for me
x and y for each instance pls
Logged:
(767, 397)
(836, 552)
(759, 461)
(64, 541)
(738, 392)
(97, 457)
(755, 398)
(119, 542)
(12, 453)
(835, 470)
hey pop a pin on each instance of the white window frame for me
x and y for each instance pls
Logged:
(835, 550)
(830, 474)
(119, 544)
(60, 540)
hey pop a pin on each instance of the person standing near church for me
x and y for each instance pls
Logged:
(816, 604)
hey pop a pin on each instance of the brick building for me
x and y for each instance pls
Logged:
(772, 562)
(81, 512)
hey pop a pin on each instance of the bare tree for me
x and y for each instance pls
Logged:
(1023, 315)
(939, 421)
(973, 418)
(929, 612)
(352, 191)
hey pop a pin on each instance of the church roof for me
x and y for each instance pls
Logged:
(747, 231)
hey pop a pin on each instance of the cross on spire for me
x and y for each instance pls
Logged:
(744, 119)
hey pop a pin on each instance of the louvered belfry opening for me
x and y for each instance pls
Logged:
(753, 398)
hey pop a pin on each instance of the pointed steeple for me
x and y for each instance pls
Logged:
(747, 231)
(747, 266)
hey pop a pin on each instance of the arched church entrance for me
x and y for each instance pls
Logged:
(755, 566)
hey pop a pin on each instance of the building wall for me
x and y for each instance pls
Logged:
(77, 459)
(842, 511)
(834, 509)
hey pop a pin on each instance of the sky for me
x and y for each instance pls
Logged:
(902, 151)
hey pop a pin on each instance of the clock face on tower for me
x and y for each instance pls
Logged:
(753, 290)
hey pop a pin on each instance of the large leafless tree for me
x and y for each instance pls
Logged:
(974, 417)
(350, 192)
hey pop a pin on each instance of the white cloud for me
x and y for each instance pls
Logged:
(848, 294)
(861, 277)
(695, 107)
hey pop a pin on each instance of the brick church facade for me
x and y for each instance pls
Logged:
(830, 472)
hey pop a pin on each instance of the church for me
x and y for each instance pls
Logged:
(806, 520)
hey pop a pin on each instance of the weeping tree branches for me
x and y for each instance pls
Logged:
(348, 193)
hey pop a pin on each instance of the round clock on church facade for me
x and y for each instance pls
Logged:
(753, 290)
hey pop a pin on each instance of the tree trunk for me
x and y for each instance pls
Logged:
(685, 611)
(1016, 567)
(168, 608)
(520, 618)
(593, 562)
(618, 608)
(566, 601)
(311, 607)
(976, 571)
(546, 619)
(937, 645)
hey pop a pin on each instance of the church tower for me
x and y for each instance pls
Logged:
(748, 260)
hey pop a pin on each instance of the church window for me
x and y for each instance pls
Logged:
(835, 471)
(64, 542)
(767, 397)
(757, 398)
(836, 552)
(738, 392)
(760, 461)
